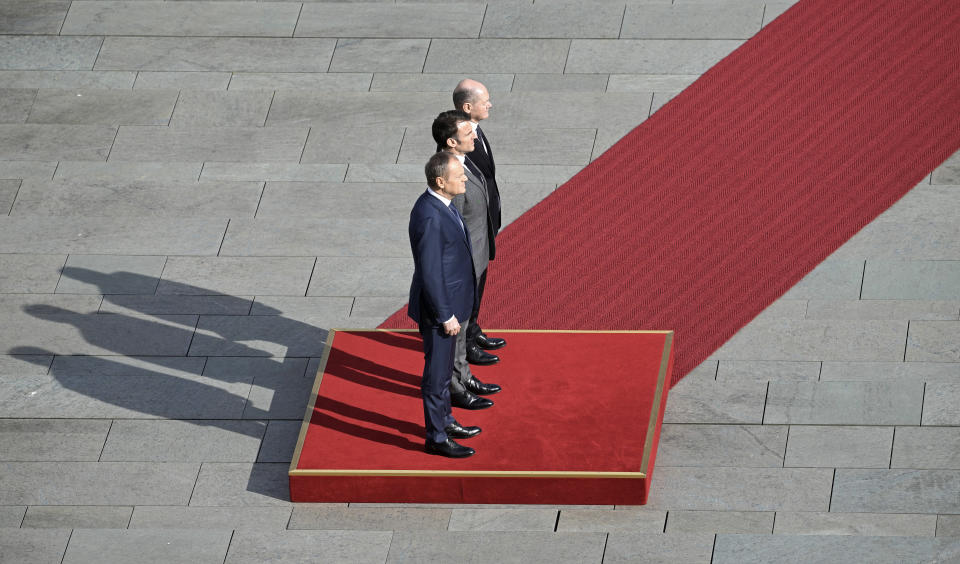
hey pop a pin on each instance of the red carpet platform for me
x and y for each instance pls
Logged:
(738, 187)
(577, 422)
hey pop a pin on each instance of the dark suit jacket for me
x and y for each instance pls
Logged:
(444, 282)
(483, 158)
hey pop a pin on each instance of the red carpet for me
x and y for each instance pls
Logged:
(589, 437)
(732, 192)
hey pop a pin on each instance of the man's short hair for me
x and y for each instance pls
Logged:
(462, 95)
(445, 126)
(436, 167)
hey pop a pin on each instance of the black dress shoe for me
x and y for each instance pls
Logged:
(469, 400)
(458, 431)
(479, 388)
(490, 343)
(448, 448)
(478, 356)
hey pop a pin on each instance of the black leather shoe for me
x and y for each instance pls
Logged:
(479, 388)
(490, 343)
(458, 431)
(478, 356)
(448, 448)
(469, 400)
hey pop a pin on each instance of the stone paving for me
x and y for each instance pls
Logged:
(192, 193)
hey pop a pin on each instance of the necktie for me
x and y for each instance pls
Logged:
(456, 213)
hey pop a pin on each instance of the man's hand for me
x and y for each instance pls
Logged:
(451, 326)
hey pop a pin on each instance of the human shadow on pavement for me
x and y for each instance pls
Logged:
(146, 360)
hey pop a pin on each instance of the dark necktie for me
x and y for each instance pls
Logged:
(482, 141)
(456, 213)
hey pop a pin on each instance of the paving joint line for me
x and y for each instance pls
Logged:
(310, 280)
(623, 18)
(15, 196)
(297, 23)
(267, 115)
(483, 20)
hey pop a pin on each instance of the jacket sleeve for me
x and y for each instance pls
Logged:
(429, 252)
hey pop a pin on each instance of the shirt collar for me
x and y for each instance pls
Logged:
(434, 193)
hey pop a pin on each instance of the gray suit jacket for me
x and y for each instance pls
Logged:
(472, 205)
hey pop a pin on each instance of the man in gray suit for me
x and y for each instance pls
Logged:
(454, 135)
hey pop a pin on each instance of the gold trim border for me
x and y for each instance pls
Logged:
(645, 457)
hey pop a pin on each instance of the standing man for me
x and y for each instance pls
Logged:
(442, 292)
(453, 135)
(472, 98)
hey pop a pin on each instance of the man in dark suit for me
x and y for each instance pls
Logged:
(453, 134)
(442, 292)
(472, 98)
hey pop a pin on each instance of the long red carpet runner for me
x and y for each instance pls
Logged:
(727, 196)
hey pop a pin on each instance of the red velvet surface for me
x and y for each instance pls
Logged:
(738, 187)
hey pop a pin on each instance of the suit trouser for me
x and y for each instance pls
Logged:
(473, 330)
(438, 353)
(461, 368)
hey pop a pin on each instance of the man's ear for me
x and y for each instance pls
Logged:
(451, 142)
(467, 106)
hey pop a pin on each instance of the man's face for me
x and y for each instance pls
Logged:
(479, 108)
(454, 182)
(464, 139)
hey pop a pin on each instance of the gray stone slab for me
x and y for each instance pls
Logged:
(167, 517)
(691, 21)
(318, 82)
(148, 546)
(236, 275)
(249, 54)
(313, 237)
(496, 547)
(888, 240)
(27, 169)
(48, 52)
(125, 387)
(896, 491)
(183, 80)
(15, 104)
(333, 517)
(566, 20)
(11, 516)
(338, 200)
(241, 484)
(707, 401)
(245, 19)
(773, 10)
(343, 111)
(222, 108)
(35, 440)
(535, 174)
(828, 549)
(140, 171)
(103, 107)
(8, 193)
(279, 441)
(844, 403)
(377, 307)
(108, 235)
(933, 341)
(379, 55)
(316, 308)
(641, 56)
(940, 403)
(363, 145)
(658, 548)
(831, 279)
(503, 520)
(48, 303)
(110, 274)
(802, 339)
(948, 526)
(948, 172)
(66, 79)
(183, 441)
(32, 16)
(767, 370)
(282, 172)
(901, 371)
(862, 524)
(925, 203)
(361, 547)
(32, 546)
(742, 489)
(77, 517)
(883, 309)
(839, 447)
(96, 483)
(660, 100)
(706, 370)
(278, 396)
(262, 335)
(498, 55)
(912, 280)
(607, 520)
(29, 273)
(650, 82)
(354, 276)
(56, 142)
(926, 447)
(560, 83)
(546, 146)
(436, 82)
(171, 305)
(229, 144)
(608, 136)
(733, 522)
(400, 173)
(25, 364)
(619, 111)
(388, 20)
(722, 445)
